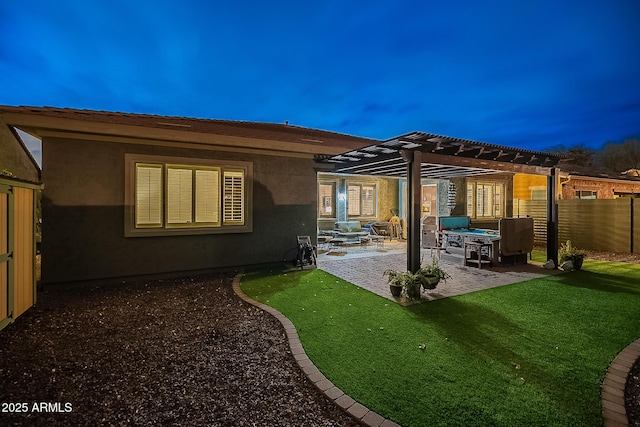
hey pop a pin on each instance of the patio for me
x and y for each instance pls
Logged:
(364, 266)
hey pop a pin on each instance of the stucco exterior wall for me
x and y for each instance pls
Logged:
(83, 214)
(524, 184)
(15, 159)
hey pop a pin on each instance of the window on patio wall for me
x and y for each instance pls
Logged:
(327, 200)
(361, 200)
(485, 199)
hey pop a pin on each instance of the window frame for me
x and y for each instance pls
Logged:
(334, 186)
(245, 225)
(361, 203)
(472, 207)
(582, 194)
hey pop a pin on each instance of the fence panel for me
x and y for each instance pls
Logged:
(603, 225)
(537, 209)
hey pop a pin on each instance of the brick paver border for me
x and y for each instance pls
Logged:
(346, 403)
(613, 407)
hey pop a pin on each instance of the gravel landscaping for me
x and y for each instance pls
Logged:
(174, 352)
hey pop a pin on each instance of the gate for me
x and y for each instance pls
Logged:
(17, 249)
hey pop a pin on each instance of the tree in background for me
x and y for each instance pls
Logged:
(622, 157)
(578, 155)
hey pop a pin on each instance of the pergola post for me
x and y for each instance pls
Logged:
(414, 207)
(552, 216)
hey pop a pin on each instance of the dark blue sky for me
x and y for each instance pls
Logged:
(528, 74)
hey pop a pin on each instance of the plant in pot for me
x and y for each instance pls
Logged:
(396, 281)
(568, 252)
(412, 284)
(431, 275)
(404, 282)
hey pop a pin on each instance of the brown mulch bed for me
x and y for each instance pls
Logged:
(632, 395)
(174, 352)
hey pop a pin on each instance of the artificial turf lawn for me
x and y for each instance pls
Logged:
(531, 353)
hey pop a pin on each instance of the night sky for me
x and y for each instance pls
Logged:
(530, 74)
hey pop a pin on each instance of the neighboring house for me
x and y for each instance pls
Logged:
(578, 182)
(130, 194)
(593, 183)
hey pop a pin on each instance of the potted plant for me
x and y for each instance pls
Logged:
(404, 282)
(396, 281)
(568, 252)
(412, 283)
(432, 274)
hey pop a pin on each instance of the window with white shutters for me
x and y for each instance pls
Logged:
(361, 200)
(485, 199)
(368, 200)
(164, 197)
(233, 197)
(326, 199)
(353, 200)
(148, 196)
(207, 196)
(179, 196)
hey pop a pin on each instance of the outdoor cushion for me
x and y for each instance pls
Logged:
(348, 226)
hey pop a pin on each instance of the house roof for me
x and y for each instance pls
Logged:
(442, 157)
(595, 172)
(45, 120)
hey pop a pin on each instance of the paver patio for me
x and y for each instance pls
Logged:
(364, 267)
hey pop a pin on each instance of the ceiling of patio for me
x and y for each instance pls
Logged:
(442, 157)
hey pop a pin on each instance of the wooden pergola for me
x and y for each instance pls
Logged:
(420, 155)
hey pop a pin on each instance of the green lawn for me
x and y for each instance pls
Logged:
(532, 353)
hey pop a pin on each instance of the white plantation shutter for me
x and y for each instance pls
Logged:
(233, 197)
(208, 196)
(175, 198)
(353, 200)
(148, 196)
(179, 195)
(368, 205)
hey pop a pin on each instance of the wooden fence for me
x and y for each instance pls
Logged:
(17, 249)
(601, 225)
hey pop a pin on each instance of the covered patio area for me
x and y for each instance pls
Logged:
(419, 155)
(365, 267)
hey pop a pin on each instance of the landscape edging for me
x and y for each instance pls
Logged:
(345, 402)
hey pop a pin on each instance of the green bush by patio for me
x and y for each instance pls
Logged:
(532, 353)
